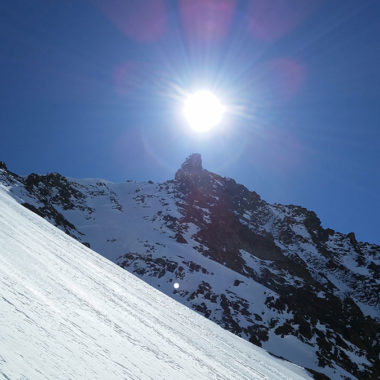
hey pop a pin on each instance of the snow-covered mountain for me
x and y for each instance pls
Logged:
(68, 313)
(266, 272)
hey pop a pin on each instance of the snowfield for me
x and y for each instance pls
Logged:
(68, 313)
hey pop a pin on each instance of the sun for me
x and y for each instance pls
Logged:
(203, 110)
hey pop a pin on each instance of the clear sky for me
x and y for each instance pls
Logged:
(95, 89)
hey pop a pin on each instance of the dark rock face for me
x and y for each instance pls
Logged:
(66, 195)
(191, 167)
(266, 272)
(193, 163)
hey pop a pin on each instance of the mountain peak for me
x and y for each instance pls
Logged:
(192, 163)
(3, 166)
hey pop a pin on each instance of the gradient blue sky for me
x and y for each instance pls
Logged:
(93, 89)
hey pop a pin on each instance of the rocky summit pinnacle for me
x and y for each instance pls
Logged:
(192, 164)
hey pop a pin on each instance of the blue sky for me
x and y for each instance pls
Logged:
(93, 89)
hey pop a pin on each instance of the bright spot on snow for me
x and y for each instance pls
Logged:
(176, 285)
(203, 110)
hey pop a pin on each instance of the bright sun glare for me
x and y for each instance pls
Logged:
(203, 110)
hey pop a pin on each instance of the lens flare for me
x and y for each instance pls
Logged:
(203, 110)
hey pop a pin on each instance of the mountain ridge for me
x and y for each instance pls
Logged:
(219, 240)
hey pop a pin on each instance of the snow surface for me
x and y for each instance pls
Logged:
(67, 312)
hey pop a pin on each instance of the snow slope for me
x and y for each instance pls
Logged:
(67, 312)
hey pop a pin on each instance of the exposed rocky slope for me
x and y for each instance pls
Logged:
(267, 272)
